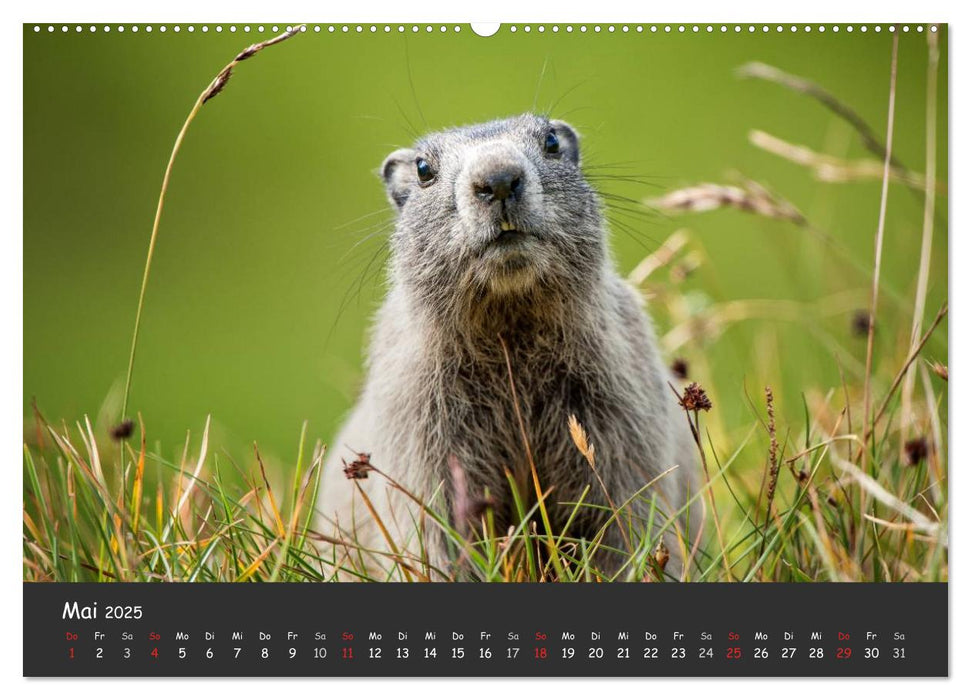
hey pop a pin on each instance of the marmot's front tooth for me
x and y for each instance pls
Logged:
(506, 226)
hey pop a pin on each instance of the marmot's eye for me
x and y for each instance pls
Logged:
(424, 170)
(551, 144)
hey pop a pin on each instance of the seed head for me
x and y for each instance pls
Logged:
(217, 85)
(580, 439)
(359, 468)
(916, 450)
(679, 368)
(123, 430)
(695, 398)
(860, 323)
(751, 197)
(661, 555)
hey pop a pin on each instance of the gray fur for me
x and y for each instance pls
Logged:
(579, 343)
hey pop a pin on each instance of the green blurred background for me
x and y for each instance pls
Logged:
(275, 184)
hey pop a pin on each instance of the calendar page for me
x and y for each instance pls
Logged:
(330, 328)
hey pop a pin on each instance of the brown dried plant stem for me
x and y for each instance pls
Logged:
(214, 88)
(709, 487)
(693, 402)
(711, 498)
(881, 223)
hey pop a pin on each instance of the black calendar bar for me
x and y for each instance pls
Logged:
(469, 629)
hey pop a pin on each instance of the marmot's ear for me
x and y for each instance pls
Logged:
(398, 173)
(569, 140)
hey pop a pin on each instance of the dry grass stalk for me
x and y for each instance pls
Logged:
(711, 322)
(938, 445)
(280, 530)
(903, 370)
(832, 169)
(881, 224)
(752, 197)
(871, 487)
(395, 554)
(583, 444)
(927, 233)
(214, 88)
(802, 85)
(831, 555)
(136, 494)
(659, 258)
(182, 497)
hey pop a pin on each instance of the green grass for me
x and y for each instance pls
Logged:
(845, 509)
(855, 490)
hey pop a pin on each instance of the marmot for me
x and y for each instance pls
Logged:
(500, 247)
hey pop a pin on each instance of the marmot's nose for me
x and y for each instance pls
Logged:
(500, 184)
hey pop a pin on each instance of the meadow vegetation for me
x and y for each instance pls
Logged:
(855, 491)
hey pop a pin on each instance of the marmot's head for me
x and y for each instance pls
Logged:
(497, 210)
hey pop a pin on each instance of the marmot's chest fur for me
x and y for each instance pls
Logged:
(469, 411)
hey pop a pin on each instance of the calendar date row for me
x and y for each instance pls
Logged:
(486, 653)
